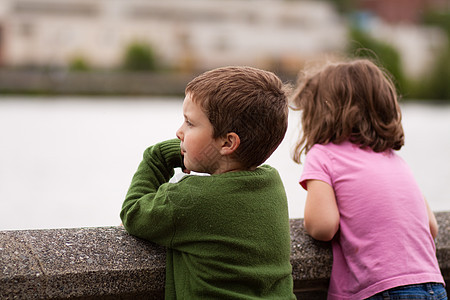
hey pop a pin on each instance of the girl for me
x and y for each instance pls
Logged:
(361, 195)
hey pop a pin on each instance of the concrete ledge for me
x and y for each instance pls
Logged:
(108, 263)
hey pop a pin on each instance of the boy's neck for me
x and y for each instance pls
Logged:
(231, 166)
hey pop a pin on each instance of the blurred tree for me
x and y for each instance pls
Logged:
(79, 63)
(438, 18)
(436, 83)
(386, 56)
(439, 79)
(343, 6)
(139, 57)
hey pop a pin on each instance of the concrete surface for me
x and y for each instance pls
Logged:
(108, 263)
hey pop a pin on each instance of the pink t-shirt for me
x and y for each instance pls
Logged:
(384, 238)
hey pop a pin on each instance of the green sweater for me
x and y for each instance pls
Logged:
(227, 235)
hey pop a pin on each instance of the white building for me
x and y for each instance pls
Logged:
(184, 34)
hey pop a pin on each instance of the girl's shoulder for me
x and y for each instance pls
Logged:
(348, 150)
(333, 148)
(346, 146)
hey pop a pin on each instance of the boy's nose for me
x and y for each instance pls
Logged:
(179, 134)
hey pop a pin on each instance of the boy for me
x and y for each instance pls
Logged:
(227, 234)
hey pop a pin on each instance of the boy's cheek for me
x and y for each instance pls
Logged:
(186, 163)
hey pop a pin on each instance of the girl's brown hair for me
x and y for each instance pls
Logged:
(248, 101)
(353, 101)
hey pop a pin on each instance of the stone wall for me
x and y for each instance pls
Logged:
(108, 263)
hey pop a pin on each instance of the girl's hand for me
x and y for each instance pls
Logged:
(434, 227)
(321, 212)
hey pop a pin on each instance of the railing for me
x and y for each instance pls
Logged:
(108, 263)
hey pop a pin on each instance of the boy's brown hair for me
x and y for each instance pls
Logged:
(247, 101)
(354, 101)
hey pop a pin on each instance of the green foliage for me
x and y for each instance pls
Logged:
(440, 78)
(343, 6)
(433, 85)
(436, 84)
(139, 57)
(438, 18)
(79, 63)
(362, 45)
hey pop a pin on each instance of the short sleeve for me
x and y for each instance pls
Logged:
(318, 165)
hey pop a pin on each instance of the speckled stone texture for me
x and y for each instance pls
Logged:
(81, 262)
(443, 246)
(108, 263)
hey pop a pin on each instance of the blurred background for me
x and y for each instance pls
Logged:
(87, 85)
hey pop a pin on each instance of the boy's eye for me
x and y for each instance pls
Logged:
(188, 123)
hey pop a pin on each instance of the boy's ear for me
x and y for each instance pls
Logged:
(230, 143)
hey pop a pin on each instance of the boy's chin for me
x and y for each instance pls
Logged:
(200, 168)
(199, 171)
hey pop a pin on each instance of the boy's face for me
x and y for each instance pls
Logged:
(199, 148)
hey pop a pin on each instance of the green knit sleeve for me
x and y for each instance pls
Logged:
(146, 211)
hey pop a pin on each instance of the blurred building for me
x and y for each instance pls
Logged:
(191, 34)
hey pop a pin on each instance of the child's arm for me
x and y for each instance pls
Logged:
(434, 228)
(146, 211)
(321, 211)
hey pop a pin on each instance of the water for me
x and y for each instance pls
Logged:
(68, 162)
